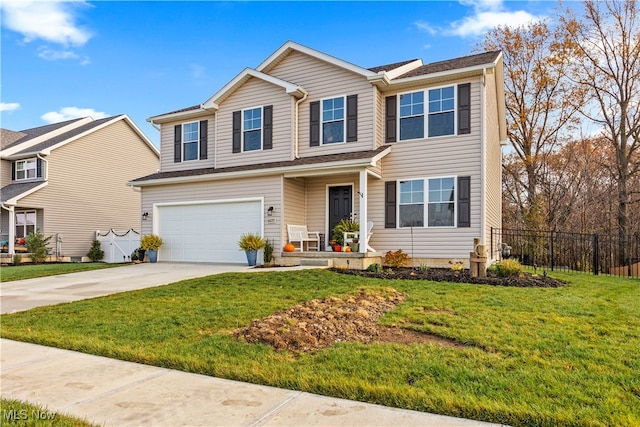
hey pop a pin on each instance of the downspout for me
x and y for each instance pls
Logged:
(483, 161)
(296, 125)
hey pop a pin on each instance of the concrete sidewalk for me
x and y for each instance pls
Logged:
(115, 393)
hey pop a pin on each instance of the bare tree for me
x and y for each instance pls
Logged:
(608, 66)
(540, 103)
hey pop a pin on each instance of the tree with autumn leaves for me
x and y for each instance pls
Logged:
(558, 79)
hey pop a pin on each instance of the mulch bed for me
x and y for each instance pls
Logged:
(526, 280)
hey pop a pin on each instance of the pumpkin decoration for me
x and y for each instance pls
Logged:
(289, 247)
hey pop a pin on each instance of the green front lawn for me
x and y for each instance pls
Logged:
(29, 271)
(17, 413)
(531, 356)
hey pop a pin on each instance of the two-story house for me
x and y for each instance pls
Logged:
(69, 180)
(307, 138)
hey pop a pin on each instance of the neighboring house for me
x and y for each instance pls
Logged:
(70, 179)
(306, 138)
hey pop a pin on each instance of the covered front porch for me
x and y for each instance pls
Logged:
(349, 260)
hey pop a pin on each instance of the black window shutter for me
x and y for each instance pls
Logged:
(314, 124)
(177, 143)
(203, 139)
(237, 132)
(352, 118)
(267, 130)
(390, 119)
(39, 167)
(464, 108)
(13, 171)
(390, 204)
(464, 201)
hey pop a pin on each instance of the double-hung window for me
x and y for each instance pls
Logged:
(333, 120)
(439, 119)
(190, 141)
(25, 223)
(26, 169)
(252, 129)
(440, 202)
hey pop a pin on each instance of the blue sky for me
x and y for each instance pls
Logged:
(62, 59)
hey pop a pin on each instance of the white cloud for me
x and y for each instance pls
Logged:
(487, 14)
(53, 21)
(68, 113)
(9, 106)
(53, 55)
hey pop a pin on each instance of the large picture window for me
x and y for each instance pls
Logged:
(26, 169)
(25, 223)
(333, 122)
(252, 129)
(190, 141)
(440, 201)
(439, 119)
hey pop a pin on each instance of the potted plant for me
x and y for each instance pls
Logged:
(251, 243)
(345, 225)
(151, 243)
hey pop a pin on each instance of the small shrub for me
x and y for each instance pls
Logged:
(96, 253)
(424, 267)
(151, 242)
(507, 268)
(37, 245)
(251, 242)
(268, 252)
(396, 259)
(345, 225)
(17, 259)
(375, 267)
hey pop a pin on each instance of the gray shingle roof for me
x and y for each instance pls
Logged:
(453, 64)
(41, 130)
(389, 67)
(13, 190)
(290, 163)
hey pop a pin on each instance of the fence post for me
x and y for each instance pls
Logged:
(596, 255)
(551, 250)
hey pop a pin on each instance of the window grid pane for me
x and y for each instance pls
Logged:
(412, 203)
(441, 210)
(333, 120)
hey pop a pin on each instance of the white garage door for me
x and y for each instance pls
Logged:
(207, 232)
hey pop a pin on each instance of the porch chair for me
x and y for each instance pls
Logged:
(300, 234)
(349, 236)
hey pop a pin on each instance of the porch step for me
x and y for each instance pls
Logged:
(316, 262)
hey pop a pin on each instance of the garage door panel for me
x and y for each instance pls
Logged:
(207, 232)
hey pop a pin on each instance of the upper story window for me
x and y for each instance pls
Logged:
(26, 169)
(441, 111)
(252, 129)
(190, 141)
(333, 120)
(440, 201)
(428, 113)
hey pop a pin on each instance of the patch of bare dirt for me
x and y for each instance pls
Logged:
(321, 323)
(526, 280)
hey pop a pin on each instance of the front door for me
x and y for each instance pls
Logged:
(340, 206)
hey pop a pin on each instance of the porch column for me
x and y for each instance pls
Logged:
(12, 230)
(363, 211)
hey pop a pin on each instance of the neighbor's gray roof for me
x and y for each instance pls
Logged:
(13, 190)
(290, 163)
(64, 136)
(35, 132)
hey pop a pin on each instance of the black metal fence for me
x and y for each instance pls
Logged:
(554, 250)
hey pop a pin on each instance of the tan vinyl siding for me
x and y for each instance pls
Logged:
(295, 207)
(323, 80)
(87, 189)
(166, 146)
(267, 187)
(431, 158)
(256, 93)
(379, 119)
(493, 187)
(5, 173)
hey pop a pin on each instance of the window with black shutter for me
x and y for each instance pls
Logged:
(390, 204)
(177, 143)
(391, 104)
(464, 201)
(203, 139)
(314, 124)
(464, 108)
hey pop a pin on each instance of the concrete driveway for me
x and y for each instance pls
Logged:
(25, 294)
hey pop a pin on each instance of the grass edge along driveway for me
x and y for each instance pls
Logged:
(11, 273)
(564, 356)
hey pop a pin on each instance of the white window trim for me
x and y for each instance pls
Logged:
(344, 120)
(26, 211)
(197, 142)
(26, 178)
(426, 201)
(242, 129)
(426, 113)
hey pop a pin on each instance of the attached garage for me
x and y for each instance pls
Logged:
(207, 231)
